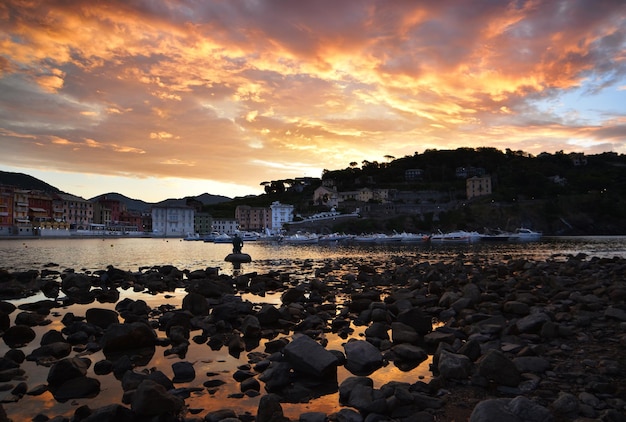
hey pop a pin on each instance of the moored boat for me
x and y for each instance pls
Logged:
(460, 236)
(525, 235)
(301, 238)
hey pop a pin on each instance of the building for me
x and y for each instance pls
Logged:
(478, 186)
(77, 212)
(203, 223)
(281, 214)
(227, 226)
(324, 195)
(107, 211)
(6, 210)
(253, 218)
(39, 208)
(413, 174)
(172, 220)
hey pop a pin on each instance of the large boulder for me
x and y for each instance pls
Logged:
(495, 366)
(125, 339)
(519, 409)
(308, 356)
(76, 388)
(152, 399)
(18, 336)
(362, 358)
(67, 369)
(196, 304)
(101, 317)
(454, 365)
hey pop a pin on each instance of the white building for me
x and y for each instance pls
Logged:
(172, 221)
(281, 213)
(227, 226)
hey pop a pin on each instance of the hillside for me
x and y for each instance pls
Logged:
(24, 181)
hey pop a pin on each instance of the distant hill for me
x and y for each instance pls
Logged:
(138, 205)
(24, 181)
(131, 204)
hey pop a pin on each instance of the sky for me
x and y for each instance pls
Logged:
(167, 99)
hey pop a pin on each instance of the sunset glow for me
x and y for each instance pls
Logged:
(166, 99)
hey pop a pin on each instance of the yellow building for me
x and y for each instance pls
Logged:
(478, 186)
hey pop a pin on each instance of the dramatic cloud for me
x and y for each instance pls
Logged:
(243, 91)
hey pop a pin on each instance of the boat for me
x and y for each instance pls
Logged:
(222, 238)
(370, 238)
(525, 235)
(334, 237)
(192, 237)
(460, 236)
(496, 235)
(249, 236)
(414, 237)
(301, 238)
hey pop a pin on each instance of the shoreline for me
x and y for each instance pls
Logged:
(555, 328)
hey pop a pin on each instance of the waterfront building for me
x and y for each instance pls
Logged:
(203, 223)
(253, 218)
(227, 226)
(77, 211)
(172, 220)
(281, 214)
(21, 221)
(6, 210)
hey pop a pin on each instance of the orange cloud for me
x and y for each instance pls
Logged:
(196, 89)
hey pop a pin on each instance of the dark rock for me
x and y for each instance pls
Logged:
(519, 409)
(270, 410)
(454, 365)
(76, 388)
(362, 358)
(196, 304)
(183, 372)
(56, 350)
(52, 336)
(102, 318)
(31, 319)
(308, 356)
(415, 318)
(495, 366)
(121, 339)
(67, 369)
(403, 333)
(151, 399)
(18, 336)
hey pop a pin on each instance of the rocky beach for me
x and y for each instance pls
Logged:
(513, 339)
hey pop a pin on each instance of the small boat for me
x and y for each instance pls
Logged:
(525, 235)
(334, 237)
(222, 238)
(370, 238)
(249, 236)
(414, 237)
(460, 236)
(301, 238)
(193, 236)
(495, 236)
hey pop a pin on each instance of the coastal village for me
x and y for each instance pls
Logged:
(464, 189)
(26, 212)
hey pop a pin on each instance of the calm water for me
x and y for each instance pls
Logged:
(299, 260)
(133, 254)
